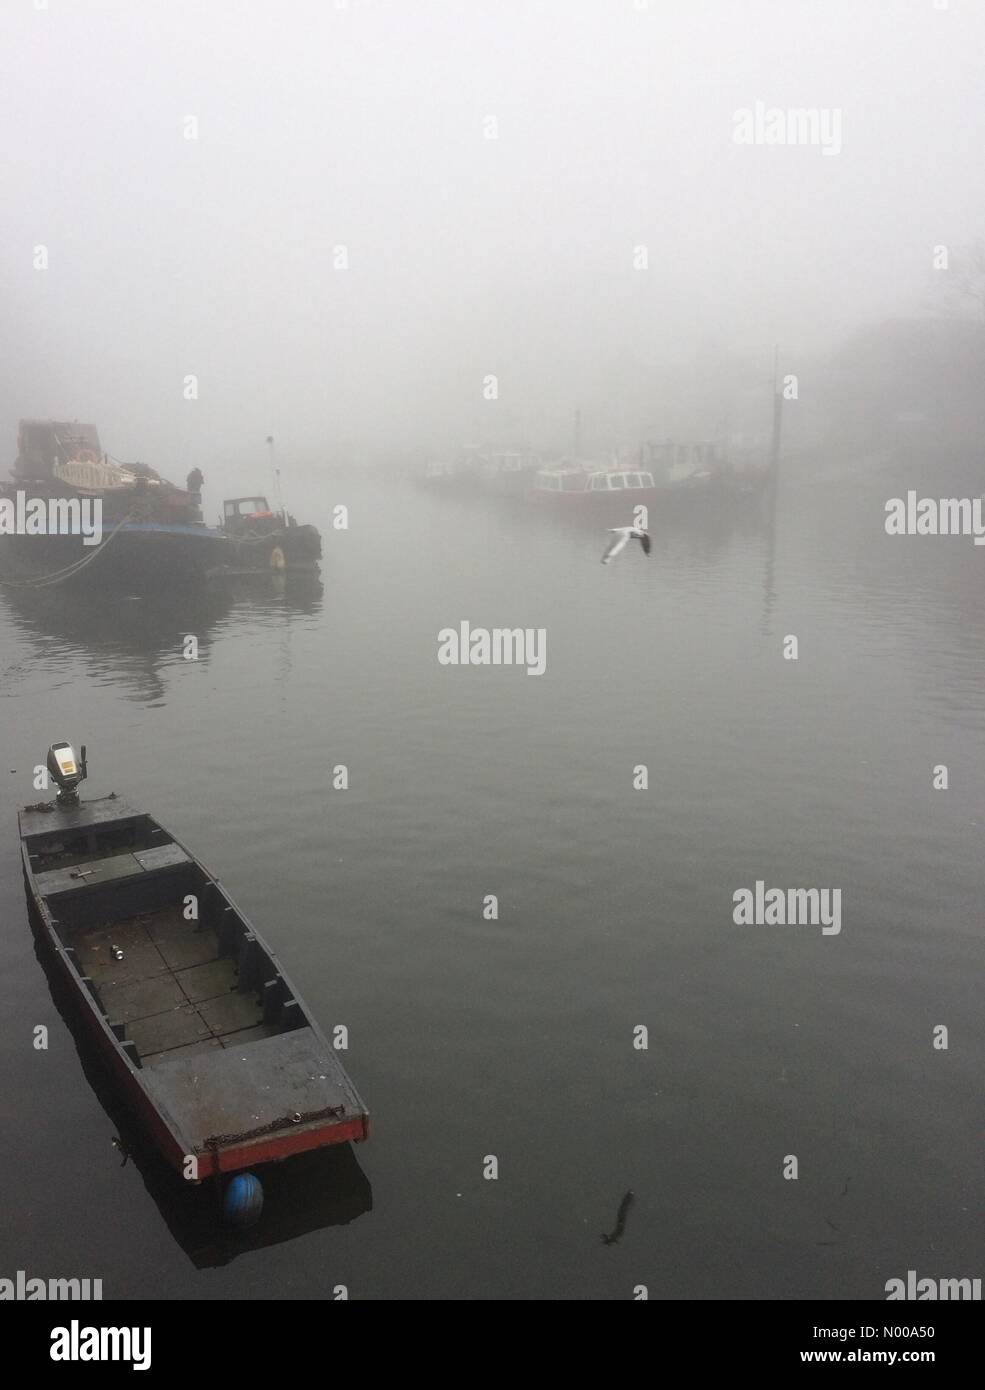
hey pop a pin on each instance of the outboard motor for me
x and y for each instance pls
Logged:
(67, 772)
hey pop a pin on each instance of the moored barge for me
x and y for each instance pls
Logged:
(142, 533)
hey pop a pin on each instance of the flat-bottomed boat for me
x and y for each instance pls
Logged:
(214, 1047)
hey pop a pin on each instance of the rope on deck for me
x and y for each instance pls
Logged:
(214, 1141)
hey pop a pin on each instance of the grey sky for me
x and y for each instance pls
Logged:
(363, 125)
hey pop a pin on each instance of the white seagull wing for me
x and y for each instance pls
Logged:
(618, 543)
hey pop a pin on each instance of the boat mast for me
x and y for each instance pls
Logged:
(769, 570)
(777, 414)
(276, 473)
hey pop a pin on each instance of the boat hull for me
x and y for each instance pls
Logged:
(680, 499)
(139, 557)
(291, 550)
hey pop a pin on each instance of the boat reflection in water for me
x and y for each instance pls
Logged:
(130, 642)
(301, 1195)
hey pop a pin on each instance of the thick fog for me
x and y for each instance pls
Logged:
(343, 218)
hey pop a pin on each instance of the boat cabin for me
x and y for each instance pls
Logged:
(620, 480)
(573, 480)
(243, 514)
(676, 460)
(44, 444)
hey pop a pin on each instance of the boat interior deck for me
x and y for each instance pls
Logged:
(117, 886)
(171, 991)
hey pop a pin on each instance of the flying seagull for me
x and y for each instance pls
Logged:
(623, 535)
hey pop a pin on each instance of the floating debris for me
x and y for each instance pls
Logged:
(620, 1226)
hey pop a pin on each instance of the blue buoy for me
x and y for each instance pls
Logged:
(242, 1201)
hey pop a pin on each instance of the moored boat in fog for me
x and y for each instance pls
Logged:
(145, 533)
(596, 487)
(703, 471)
(262, 540)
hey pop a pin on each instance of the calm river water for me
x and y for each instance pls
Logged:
(513, 1038)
